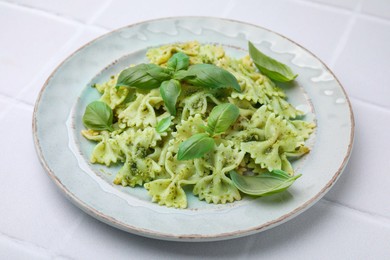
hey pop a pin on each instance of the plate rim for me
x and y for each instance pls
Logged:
(188, 237)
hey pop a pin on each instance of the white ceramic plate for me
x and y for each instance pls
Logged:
(64, 153)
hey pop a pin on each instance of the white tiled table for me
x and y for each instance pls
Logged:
(351, 222)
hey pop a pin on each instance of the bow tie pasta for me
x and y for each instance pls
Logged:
(267, 135)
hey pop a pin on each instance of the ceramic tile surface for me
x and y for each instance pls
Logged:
(43, 216)
(379, 8)
(352, 221)
(28, 42)
(364, 64)
(78, 10)
(307, 24)
(83, 36)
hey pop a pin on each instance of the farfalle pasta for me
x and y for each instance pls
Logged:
(268, 133)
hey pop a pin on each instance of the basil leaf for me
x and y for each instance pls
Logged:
(143, 76)
(209, 76)
(270, 67)
(263, 184)
(163, 125)
(195, 147)
(170, 91)
(179, 61)
(221, 118)
(98, 116)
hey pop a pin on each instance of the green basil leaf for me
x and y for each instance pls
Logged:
(98, 116)
(143, 76)
(158, 73)
(163, 125)
(209, 76)
(195, 147)
(263, 184)
(181, 74)
(270, 67)
(170, 91)
(221, 118)
(179, 61)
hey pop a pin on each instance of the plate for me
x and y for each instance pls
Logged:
(64, 153)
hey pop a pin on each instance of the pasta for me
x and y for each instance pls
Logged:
(268, 133)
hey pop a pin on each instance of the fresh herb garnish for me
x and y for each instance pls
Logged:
(163, 125)
(179, 61)
(170, 91)
(270, 67)
(220, 119)
(143, 76)
(209, 76)
(195, 147)
(263, 184)
(98, 116)
(150, 76)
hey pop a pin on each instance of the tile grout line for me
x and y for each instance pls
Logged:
(345, 36)
(99, 12)
(52, 63)
(14, 102)
(329, 7)
(26, 244)
(229, 8)
(366, 102)
(11, 99)
(375, 216)
(344, 9)
(48, 14)
(80, 27)
(375, 18)
(72, 230)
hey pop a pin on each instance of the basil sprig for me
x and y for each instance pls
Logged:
(195, 146)
(98, 116)
(143, 76)
(270, 67)
(263, 184)
(220, 119)
(163, 125)
(170, 91)
(179, 61)
(150, 76)
(209, 76)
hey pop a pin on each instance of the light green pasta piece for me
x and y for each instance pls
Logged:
(246, 135)
(281, 140)
(217, 188)
(209, 54)
(162, 54)
(259, 118)
(169, 192)
(303, 128)
(138, 167)
(246, 107)
(111, 95)
(194, 104)
(257, 88)
(106, 85)
(141, 112)
(281, 107)
(107, 151)
(197, 53)
(186, 129)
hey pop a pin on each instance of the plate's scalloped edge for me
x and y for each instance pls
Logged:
(188, 237)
